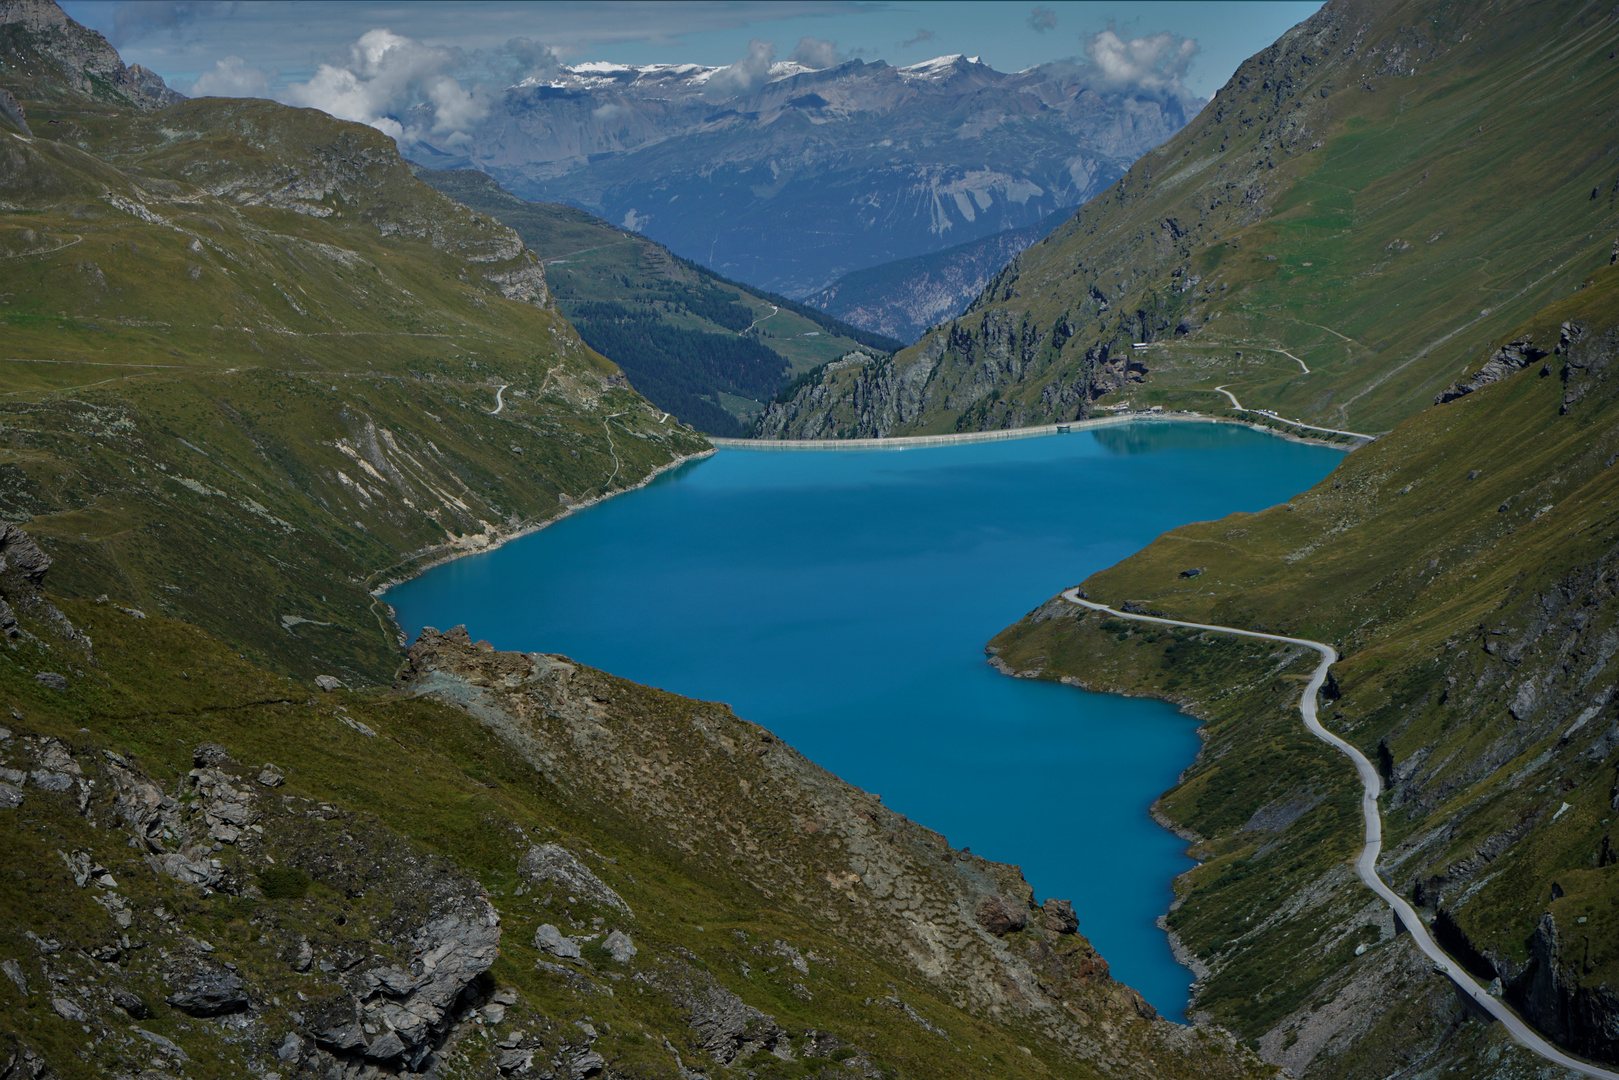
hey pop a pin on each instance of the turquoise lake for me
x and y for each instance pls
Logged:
(842, 599)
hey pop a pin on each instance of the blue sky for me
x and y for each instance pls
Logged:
(261, 47)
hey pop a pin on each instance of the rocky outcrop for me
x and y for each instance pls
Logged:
(1507, 360)
(81, 58)
(556, 865)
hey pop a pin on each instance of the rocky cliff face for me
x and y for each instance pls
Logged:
(861, 163)
(1224, 251)
(63, 55)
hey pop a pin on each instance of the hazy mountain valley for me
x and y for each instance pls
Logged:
(259, 367)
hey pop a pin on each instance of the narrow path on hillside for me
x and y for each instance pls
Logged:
(773, 311)
(1366, 866)
(500, 402)
(583, 251)
(1235, 404)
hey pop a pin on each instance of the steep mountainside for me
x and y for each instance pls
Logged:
(904, 298)
(1344, 205)
(249, 356)
(859, 164)
(1465, 566)
(708, 350)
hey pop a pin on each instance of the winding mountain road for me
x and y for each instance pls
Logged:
(1366, 865)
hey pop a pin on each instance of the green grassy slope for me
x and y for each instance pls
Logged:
(705, 348)
(1375, 196)
(1463, 566)
(252, 363)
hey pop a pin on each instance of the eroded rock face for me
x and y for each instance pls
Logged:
(402, 1013)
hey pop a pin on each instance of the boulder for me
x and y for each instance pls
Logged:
(52, 680)
(1060, 917)
(549, 939)
(68, 1010)
(130, 1002)
(1001, 916)
(208, 992)
(328, 683)
(619, 946)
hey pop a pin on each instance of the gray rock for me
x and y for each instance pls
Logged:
(516, 1060)
(54, 755)
(226, 809)
(52, 680)
(386, 1046)
(210, 993)
(161, 1043)
(46, 780)
(130, 1002)
(619, 946)
(1506, 360)
(411, 1009)
(270, 776)
(328, 683)
(727, 1027)
(191, 866)
(13, 971)
(549, 939)
(67, 1010)
(10, 796)
(555, 863)
(210, 756)
(19, 553)
(291, 1049)
(586, 1062)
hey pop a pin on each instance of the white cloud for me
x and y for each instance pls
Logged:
(388, 76)
(746, 74)
(232, 77)
(817, 53)
(1151, 66)
(531, 59)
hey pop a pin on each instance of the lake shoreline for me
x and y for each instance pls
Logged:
(906, 442)
(499, 538)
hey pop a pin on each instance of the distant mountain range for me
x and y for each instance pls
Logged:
(810, 174)
(903, 299)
